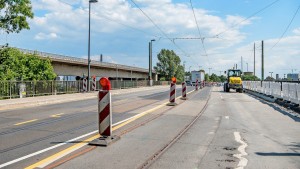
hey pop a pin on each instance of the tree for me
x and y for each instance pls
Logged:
(223, 78)
(214, 78)
(168, 65)
(250, 78)
(16, 65)
(206, 77)
(14, 14)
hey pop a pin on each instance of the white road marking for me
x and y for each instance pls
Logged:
(243, 161)
(226, 117)
(211, 132)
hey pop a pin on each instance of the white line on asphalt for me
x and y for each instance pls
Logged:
(226, 117)
(243, 161)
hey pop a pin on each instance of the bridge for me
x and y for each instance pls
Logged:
(72, 66)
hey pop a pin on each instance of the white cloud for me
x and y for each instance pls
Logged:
(43, 36)
(296, 31)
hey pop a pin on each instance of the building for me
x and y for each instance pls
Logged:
(293, 76)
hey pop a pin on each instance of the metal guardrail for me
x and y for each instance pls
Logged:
(12, 89)
(287, 90)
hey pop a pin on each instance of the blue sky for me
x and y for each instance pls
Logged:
(121, 32)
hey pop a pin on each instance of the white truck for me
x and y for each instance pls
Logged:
(197, 75)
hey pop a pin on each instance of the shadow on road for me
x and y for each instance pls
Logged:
(277, 154)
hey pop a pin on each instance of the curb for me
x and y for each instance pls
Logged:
(280, 101)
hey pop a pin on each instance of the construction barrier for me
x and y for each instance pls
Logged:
(104, 110)
(196, 85)
(172, 94)
(104, 115)
(94, 84)
(84, 85)
(183, 91)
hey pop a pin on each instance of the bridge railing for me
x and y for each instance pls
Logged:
(287, 90)
(12, 89)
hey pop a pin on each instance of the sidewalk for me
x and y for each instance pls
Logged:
(54, 99)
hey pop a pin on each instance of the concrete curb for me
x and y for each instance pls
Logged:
(284, 103)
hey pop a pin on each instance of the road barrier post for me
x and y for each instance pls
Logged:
(183, 91)
(104, 115)
(84, 85)
(196, 85)
(94, 84)
(172, 92)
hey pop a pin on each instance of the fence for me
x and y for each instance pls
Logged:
(287, 90)
(11, 89)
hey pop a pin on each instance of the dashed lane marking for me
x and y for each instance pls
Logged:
(57, 115)
(25, 122)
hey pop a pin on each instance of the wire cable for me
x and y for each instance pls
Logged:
(202, 39)
(286, 29)
(257, 12)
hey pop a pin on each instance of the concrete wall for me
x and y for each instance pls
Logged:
(62, 69)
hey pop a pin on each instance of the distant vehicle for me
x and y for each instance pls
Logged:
(234, 81)
(188, 83)
(197, 75)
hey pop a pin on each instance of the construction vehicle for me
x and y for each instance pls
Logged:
(234, 80)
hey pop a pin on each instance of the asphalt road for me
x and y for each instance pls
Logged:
(235, 130)
(28, 130)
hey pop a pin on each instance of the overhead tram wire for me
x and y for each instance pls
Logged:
(255, 13)
(286, 29)
(159, 28)
(202, 39)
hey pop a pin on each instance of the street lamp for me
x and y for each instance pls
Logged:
(271, 74)
(247, 67)
(150, 62)
(89, 44)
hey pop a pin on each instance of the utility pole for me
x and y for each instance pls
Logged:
(242, 63)
(150, 62)
(254, 59)
(247, 67)
(262, 61)
(209, 71)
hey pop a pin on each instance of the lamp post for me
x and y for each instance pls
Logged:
(271, 74)
(89, 44)
(247, 67)
(150, 62)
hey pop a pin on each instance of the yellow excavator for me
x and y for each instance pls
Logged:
(234, 80)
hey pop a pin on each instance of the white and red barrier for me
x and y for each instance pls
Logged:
(196, 85)
(84, 85)
(183, 91)
(94, 84)
(104, 111)
(105, 115)
(172, 94)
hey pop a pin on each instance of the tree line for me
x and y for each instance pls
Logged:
(18, 66)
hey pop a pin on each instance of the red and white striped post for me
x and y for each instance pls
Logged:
(94, 84)
(172, 92)
(104, 115)
(196, 86)
(183, 91)
(84, 84)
